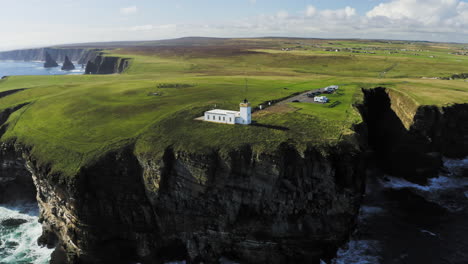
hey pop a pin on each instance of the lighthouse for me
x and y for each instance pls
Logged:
(245, 113)
(242, 117)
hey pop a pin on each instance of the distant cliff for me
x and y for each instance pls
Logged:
(82, 56)
(102, 64)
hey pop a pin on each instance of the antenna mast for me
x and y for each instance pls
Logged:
(246, 89)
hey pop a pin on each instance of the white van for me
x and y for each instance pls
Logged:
(321, 99)
(331, 88)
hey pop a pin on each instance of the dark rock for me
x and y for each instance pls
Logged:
(13, 222)
(106, 65)
(49, 61)
(11, 244)
(68, 65)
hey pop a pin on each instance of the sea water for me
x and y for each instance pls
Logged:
(9, 68)
(395, 226)
(18, 241)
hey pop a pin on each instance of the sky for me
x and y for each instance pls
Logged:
(37, 23)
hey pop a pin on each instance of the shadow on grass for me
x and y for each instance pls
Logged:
(270, 126)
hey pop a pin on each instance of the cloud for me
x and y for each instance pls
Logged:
(282, 14)
(427, 12)
(311, 11)
(253, 2)
(129, 10)
(344, 13)
(141, 28)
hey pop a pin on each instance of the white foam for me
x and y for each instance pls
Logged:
(359, 252)
(456, 165)
(26, 235)
(370, 211)
(435, 184)
(428, 232)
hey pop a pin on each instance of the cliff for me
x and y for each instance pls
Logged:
(96, 62)
(49, 62)
(102, 64)
(284, 206)
(269, 208)
(68, 65)
(410, 140)
(57, 54)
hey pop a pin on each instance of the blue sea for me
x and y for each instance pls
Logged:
(9, 68)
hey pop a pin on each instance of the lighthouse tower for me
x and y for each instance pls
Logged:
(245, 113)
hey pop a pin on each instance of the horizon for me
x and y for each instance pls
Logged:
(55, 22)
(187, 37)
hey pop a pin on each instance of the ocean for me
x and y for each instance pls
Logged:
(403, 222)
(9, 68)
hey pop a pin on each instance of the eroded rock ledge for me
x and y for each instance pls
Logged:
(276, 208)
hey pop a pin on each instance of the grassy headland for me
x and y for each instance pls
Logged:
(72, 120)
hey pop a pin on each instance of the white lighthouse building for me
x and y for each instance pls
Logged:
(243, 117)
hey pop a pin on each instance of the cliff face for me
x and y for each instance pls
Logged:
(95, 61)
(15, 181)
(57, 54)
(106, 65)
(410, 141)
(277, 208)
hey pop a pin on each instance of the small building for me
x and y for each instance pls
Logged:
(243, 117)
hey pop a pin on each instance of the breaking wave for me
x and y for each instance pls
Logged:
(19, 231)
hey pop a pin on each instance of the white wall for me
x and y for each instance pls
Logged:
(218, 118)
(246, 115)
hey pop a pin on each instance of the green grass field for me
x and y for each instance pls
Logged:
(72, 120)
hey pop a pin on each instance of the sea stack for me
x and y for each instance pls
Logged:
(68, 65)
(49, 62)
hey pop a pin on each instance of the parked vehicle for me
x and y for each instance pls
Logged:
(313, 94)
(296, 101)
(321, 99)
(331, 89)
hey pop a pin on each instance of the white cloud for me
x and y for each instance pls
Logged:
(311, 10)
(253, 2)
(421, 11)
(129, 10)
(282, 14)
(141, 28)
(344, 13)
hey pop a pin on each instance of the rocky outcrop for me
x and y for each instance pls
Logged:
(67, 64)
(279, 208)
(410, 140)
(107, 65)
(15, 181)
(94, 59)
(49, 62)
